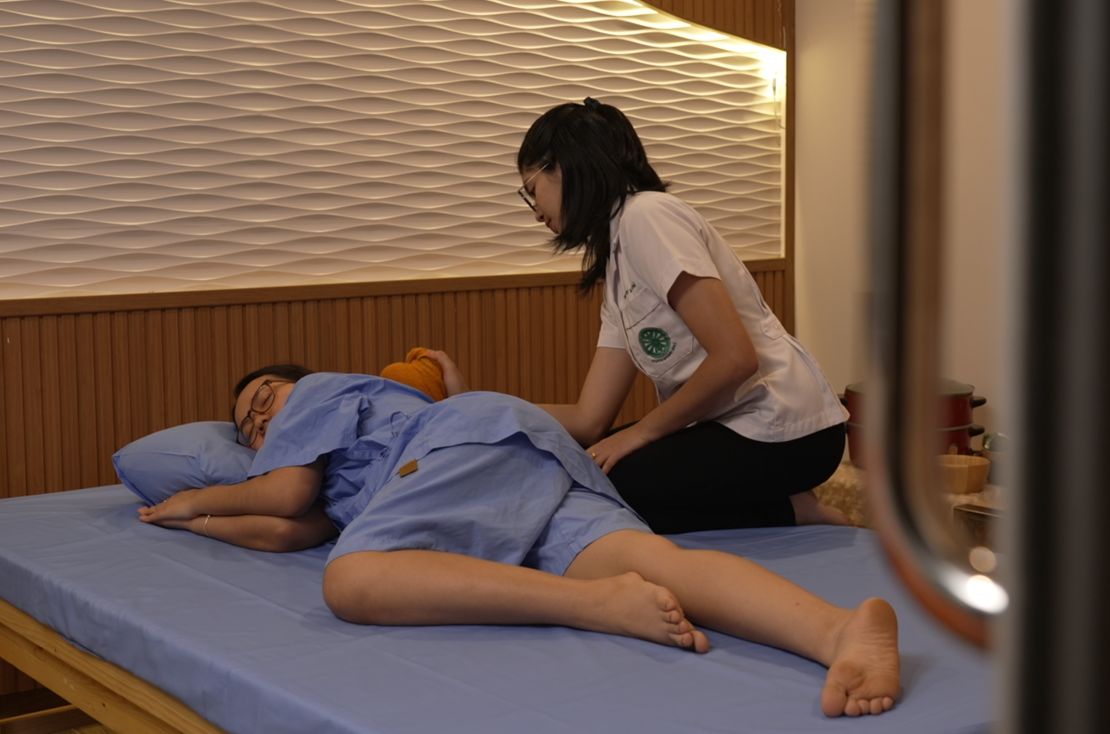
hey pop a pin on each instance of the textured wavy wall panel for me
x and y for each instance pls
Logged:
(175, 145)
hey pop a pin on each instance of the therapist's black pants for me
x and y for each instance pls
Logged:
(708, 477)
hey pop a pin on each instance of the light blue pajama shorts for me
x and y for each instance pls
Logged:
(508, 502)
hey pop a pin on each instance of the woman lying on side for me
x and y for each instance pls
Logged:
(481, 509)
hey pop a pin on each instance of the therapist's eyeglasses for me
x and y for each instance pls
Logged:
(262, 401)
(529, 199)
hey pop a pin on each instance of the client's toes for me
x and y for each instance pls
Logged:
(684, 640)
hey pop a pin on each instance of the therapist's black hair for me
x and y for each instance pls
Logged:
(602, 161)
(285, 371)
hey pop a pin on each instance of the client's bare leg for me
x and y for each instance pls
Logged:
(428, 587)
(731, 594)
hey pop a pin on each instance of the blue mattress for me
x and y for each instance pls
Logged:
(245, 639)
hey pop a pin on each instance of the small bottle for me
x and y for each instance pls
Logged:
(994, 449)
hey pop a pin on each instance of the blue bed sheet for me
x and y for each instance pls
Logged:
(245, 639)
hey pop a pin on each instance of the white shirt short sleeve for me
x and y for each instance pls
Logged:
(656, 237)
(611, 334)
(666, 238)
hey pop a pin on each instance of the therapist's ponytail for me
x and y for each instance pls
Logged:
(602, 161)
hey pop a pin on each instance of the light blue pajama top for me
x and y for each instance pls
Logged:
(494, 476)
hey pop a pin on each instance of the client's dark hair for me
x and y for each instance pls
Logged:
(602, 161)
(287, 371)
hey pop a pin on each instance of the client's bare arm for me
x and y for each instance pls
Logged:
(262, 532)
(286, 492)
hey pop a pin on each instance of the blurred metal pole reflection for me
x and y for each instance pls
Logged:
(906, 225)
(1052, 638)
(1055, 656)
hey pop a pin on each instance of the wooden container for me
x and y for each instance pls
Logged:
(963, 474)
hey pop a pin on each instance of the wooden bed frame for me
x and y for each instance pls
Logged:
(107, 693)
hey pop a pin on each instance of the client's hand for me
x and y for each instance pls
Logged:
(453, 378)
(169, 512)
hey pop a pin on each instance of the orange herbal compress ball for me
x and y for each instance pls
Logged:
(419, 371)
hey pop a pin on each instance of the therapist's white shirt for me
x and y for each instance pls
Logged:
(655, 237)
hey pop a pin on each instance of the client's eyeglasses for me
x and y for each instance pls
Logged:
(260, 403)
(529, 199)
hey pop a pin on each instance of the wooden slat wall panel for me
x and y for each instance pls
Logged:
(78, 386)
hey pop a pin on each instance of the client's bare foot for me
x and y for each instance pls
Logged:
(808, 510)
(628, 605)
(863, 676)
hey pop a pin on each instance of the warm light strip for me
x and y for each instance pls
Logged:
(178, 144)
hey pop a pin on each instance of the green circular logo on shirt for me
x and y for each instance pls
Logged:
(656, 343)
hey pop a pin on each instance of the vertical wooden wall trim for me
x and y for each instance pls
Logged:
(788, 24)
(15, 459)
(762, 21)
(769, 22)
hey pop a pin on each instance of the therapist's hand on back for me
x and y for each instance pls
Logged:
(611, 449)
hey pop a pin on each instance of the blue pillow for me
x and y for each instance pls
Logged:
(182, 457)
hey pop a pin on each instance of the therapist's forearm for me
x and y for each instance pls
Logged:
(575, 421)
(607, 384)
(712, 385)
